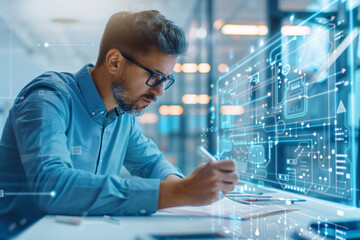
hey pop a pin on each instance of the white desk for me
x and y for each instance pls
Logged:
(279, 226)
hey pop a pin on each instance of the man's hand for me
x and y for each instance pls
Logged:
(201, 187)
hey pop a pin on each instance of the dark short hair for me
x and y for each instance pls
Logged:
(139, 31)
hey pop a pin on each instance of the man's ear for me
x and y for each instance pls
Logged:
(113, 61)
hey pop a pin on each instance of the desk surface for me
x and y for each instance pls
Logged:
(279, 226)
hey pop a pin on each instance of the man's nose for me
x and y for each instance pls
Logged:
(158, 90)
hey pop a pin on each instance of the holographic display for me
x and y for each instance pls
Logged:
(285, 112)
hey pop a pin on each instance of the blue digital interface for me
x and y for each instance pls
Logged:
(285, 113)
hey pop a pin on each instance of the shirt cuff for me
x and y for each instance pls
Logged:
(142, 198)
(166, 172)
(180, 175)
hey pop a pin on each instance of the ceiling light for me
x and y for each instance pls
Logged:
(176, 110)
(190, 99)
(295, 30)
(201, 33)
(171, 110)
(218, 24)
(189, 67)
(223, 68)
(177, 67)
(203, 99)
(204, 67)
(237, 29)
(164, 110)
(232, 110)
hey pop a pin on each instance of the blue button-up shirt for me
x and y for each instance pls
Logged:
(62, 146)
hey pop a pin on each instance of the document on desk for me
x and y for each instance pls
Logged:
(228, 209)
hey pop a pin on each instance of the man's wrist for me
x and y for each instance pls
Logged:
(172, 177)
(172, 194)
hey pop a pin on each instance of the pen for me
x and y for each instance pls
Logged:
(206, 154)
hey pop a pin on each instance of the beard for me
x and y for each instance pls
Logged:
(126, 101)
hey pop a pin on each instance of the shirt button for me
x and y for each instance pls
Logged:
(93, 113)
(143, 211)
(102, 112)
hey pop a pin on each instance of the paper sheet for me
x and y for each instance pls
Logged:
(226, 208)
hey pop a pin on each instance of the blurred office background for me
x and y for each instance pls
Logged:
(42, 35)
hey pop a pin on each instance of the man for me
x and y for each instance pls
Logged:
(68, 135)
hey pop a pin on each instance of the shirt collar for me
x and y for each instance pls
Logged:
(93, 100)
(118, 111)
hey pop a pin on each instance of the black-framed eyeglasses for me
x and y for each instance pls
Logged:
(155, 78)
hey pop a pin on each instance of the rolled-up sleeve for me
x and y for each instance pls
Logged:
(143, 158)
(40, 126)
